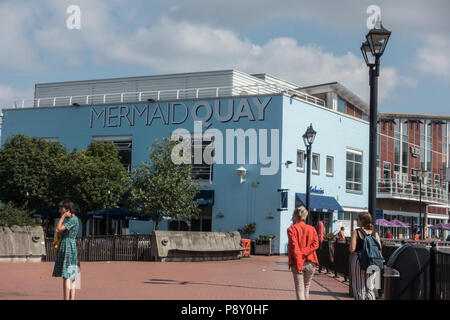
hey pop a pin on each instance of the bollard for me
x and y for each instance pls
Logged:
(433, 252)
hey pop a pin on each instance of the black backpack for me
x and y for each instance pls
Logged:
(370, 254)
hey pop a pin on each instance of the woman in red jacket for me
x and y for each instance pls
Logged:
(302, 245)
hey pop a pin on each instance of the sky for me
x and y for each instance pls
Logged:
(305, 42)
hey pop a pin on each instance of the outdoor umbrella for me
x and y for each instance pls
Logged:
(398, 223)
(440, 226)
(383, 223)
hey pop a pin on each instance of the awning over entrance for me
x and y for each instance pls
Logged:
(205, 198)
(320, 203)
(114, 213)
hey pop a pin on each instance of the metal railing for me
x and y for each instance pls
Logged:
(439, 274)
(411, 191)
(334, 256)
(108, 248)
(172, 94)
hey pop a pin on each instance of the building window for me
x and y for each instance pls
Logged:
(201, 171)
(330, 166)
(202, 223)
(386, 170)
(300, 160)
(354, 171)
(123, 144)
(316, 163)
(437, 180)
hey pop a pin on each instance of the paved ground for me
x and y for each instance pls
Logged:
(257, 277)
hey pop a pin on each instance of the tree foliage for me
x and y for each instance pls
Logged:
(162, 188)
(12, 216)
(36, 174)
(29, 168)
(94, 178)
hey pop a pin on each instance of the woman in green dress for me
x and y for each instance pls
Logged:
(66, 262)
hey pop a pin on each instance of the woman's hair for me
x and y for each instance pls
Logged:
(68, 205)
(301, 213)
(366, 220)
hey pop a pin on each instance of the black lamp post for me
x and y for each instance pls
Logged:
(107, 213)
(421, 174)
(308, 139)
(372, 49)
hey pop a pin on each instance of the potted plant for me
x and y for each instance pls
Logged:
(265, 244)
(249, 229)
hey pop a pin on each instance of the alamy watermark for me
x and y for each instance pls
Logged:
(213, 152)
(74, 20)
(373, 280)
(374, 13)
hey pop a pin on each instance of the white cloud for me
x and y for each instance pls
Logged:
(434, 58)
(9, 94)
(167, 45)
(182, 47)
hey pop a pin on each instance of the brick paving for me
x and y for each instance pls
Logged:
(254, 278)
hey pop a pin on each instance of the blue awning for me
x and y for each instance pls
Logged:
(205, 198)
(114, 213)
(320, 203)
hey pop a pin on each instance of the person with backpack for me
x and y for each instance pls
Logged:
(365, 245)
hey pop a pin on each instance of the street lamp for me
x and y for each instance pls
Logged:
(420, 174)
(372, 49)
(107, 213)
(308, 139)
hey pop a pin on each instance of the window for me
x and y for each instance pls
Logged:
(437, 180)
(386, 170)
(330, 165)
(202, 223)
(201, 171)
(414, 176)
(354, 171)
(315, 163)
(300, 160)
(123, 144)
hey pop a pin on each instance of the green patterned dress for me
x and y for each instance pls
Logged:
(67, 255)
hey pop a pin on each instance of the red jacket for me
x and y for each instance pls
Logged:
(302, 244)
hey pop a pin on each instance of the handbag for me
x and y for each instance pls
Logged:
(56, 242)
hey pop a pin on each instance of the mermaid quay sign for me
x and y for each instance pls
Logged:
(175, 113)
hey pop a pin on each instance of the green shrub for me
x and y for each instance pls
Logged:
(266, 236)
(12, 216)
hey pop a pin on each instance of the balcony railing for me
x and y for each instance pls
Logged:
(392, 188)
(172, 94)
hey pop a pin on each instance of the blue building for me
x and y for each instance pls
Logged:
(255, 123)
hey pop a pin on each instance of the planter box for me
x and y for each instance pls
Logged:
(21, 244)
(265, 246)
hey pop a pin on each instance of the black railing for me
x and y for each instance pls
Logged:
(108, 248)
(334, 256)
(439, 274)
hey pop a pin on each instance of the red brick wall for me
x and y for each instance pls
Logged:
(353, 111)
(437, 210)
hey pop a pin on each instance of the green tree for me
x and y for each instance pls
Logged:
(12, 216)
(94, 178)
(162, 187)
(28, 171)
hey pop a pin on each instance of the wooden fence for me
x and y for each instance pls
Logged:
(108, 248)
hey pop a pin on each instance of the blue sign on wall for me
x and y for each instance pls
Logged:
(379, 214)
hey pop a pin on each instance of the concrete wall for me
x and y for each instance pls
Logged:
(195, 246)
(20, 244)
